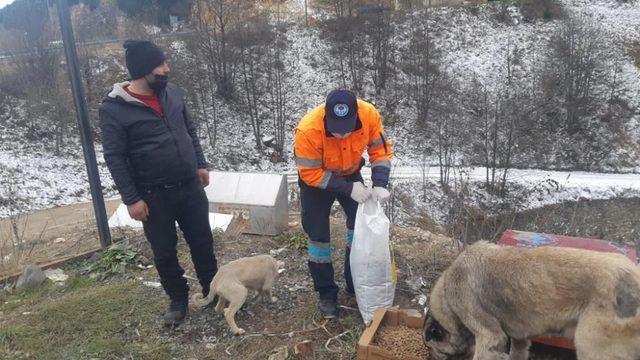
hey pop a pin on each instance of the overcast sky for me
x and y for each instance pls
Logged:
(5, 2)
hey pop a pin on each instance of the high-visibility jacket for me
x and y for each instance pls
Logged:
(324, 160)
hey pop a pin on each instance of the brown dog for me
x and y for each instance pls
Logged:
(491, 293)
(233, 282)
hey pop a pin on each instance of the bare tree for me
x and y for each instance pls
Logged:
(447, 139)
(496, 116)
(379, 32)
(614, 84)
(340, 8)
(40, 78)
(347, 38)
(215, 22)
(421, 62)
(433, 95)
(278, 89)
(347, 49)
(573, 70)
(253, 43)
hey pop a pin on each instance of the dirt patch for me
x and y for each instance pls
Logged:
(51, 234)
(402, 341)
(138, 308)
(121, 317)
(56, 221)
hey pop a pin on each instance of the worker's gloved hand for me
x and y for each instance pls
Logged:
(380, 194)
(360, 193)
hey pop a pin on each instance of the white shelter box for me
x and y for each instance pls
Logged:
(263, 195)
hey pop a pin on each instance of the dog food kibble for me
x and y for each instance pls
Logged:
(402, 342)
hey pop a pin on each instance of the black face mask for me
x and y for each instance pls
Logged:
(157, 83)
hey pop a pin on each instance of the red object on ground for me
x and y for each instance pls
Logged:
(531, 240)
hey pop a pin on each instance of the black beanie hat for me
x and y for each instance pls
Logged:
(142, 57)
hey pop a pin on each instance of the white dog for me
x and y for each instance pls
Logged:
(233, 282)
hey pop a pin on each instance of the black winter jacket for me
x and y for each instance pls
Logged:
(142, 149)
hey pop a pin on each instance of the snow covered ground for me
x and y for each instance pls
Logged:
(41, 180)
(45, 181)
(528, 188)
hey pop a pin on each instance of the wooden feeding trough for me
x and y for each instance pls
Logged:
(530, 240)
(368, 349)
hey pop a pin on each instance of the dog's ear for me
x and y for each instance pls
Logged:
(433, 331)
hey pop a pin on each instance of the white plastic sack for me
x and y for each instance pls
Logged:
(372, 266)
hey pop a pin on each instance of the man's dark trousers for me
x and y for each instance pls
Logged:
(186, 203)
(316, 208)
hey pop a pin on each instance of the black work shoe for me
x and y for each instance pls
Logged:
(328, 308)
(176, 313)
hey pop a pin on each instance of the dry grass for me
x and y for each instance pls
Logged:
(31, 238)
(16, 249)
(82, 320)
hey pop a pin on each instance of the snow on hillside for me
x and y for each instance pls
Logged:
(473, 43)
(528, 188)
(619, 19)
(621, 24)
(41, 180)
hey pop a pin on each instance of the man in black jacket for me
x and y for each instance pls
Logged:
(154, 156)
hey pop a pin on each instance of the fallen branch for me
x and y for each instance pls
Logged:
(335, 338)
(323, 326)
(289, 334)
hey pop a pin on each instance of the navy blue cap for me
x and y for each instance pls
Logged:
(341, 111)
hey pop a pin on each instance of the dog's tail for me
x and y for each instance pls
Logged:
(201, 301)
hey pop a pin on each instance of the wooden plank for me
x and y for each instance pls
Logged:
(52, 264)
(367, 335)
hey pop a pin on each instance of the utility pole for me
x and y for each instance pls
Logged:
(306, 13)
(83, 122)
